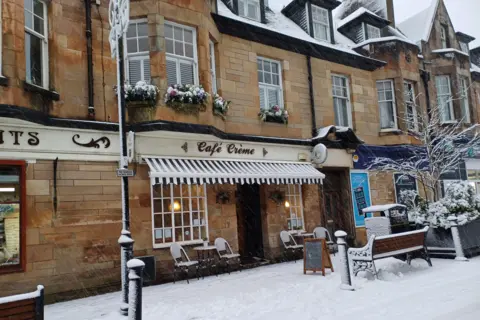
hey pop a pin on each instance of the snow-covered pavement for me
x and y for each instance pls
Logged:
(449, 290)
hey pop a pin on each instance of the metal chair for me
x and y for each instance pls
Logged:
(290, 245)
(182, 261)
(322, 233)
(225, 253)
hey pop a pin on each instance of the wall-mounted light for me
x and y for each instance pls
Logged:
(287, 204)
(7, 189)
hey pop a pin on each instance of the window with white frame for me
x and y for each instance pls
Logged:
(270, 83)
(138, 52)
(341, 101)
(213, 72)
(294, 207)
(36, 45)
(444, 98)
(249, 9)
(386, 103)
(373, 32)
(179, 213)
(410, 105)
(321, 23)
(464, 47)
(181, 51)
(464, 99)
(443, 36)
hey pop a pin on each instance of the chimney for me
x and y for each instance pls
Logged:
(390, 12)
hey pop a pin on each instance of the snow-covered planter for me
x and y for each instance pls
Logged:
(186, 98)
(274, 114)
(220, 106)
(141, 101)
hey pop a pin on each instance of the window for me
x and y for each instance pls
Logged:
(386, 102)
(341, 101)
(12, 237)
(321, 24)
(249, 9)
(138, 52)
(36, 46)
(464, 47)
(270, 83)
(373, 32)
(443, 36)
(410, 106)
(213, 72)
(179, 214)
(294, 207)
(181, 48)
(464, 99)
(444, 98)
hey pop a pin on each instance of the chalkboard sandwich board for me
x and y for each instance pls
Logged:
(316, 256)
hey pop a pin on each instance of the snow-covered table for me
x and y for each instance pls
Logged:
(206, 257)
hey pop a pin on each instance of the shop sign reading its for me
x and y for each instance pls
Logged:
(218, 147)
(18, 138)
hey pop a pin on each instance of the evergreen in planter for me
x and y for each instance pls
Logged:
(141, 101)
(220, 106)
(274, 114)
(190, 99)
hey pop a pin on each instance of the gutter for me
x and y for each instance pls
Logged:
(88, 33)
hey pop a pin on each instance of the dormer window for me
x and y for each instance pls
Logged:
(372, 32)
(464, 47)
(443, 36)
(321, 24)
(249, 9)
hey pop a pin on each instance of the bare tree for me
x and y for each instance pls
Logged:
(442, 147)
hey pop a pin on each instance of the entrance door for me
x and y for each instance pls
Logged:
(332, 209)
(250, 238)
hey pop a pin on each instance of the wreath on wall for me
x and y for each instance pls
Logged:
(277, 197)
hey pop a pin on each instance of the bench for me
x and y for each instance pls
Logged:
(27, 306)
(410, 244)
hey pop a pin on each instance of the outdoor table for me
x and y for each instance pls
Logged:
(206, 256)
(303, 236)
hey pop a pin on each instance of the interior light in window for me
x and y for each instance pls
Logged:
(176, 206)
(287, 204)
(7, 189)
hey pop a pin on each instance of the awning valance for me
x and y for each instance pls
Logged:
(195, 170)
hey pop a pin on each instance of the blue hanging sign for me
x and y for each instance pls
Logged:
(360, 196)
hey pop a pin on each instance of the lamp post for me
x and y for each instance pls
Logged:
(118, 15)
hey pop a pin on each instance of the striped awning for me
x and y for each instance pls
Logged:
(199, 170)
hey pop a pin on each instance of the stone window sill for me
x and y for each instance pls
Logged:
(49, 94)
(182, 243)
(11, 269)
(390, 132)
(3, 81)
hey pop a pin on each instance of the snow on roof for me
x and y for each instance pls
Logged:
(381, 207)
(357, 13)
(323, 132)
(277, 22)
(384, 39)
(474, 68)
(419, 26)
(450, 50)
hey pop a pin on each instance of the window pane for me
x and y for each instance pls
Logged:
(158, 221)
(142, 29)
(268, 78)
(186, 73)
(168, 31)
(132, 45)
(188, 34)
(132, 31)
(143, 45)
(38, 8)
(178, 33)
(179, 48)
(38, 25)
(28, 20)
(260, 76)
(169, 46)
(275, 68)
(28, 5)
(266, 66)
(33, 52)
(189, 50)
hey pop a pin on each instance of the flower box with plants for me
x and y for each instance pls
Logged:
(186, 98)
(220, 106)
(141, 101)
(274, 114)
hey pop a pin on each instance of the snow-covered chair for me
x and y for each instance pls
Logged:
(225, 253)
(290, 245)
(322, 233)
(182, 261)
(378, 226)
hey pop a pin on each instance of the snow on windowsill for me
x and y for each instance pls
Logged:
(450, 50)
(182, 243)
(357, 13)
(383, 39)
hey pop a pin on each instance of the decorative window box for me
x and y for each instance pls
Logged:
(140, 111)
(274, 119)
(188, 108)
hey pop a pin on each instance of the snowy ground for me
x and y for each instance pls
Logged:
(449, 290)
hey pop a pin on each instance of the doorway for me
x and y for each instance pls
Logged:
(249, 221)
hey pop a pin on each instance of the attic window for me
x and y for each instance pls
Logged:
(249, 9)
(443, 36)
(321, 25)
(464, 47)
(373, 32)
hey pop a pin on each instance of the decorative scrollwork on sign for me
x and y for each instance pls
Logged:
(185, 147)
(265, 152)
(93, 143)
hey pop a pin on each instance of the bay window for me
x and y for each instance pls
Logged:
(294, 207)
(36, 45)
(386, 103)
(444, 98)
(410, 105)
(138, 52)
(341, 101)
(321, 24)
(270, 83)
(181, 51)
(464, 99)
(12, 195)
(249, 9)
(179, 214)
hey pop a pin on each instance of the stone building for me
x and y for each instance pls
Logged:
(198, 175)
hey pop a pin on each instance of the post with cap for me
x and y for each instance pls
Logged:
(135, 275)
(457, 242)
(345, 267)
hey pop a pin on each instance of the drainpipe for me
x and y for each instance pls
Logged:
(425, 75)
(312, 100)
(88, 18)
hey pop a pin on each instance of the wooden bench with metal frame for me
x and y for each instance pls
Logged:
(26, 306)
(406, 244)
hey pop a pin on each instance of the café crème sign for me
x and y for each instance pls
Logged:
(217, 148)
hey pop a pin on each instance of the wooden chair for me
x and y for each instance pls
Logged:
(182, 261)
(27, 306)
(225, 253)
(290, 245)
(322, 233)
